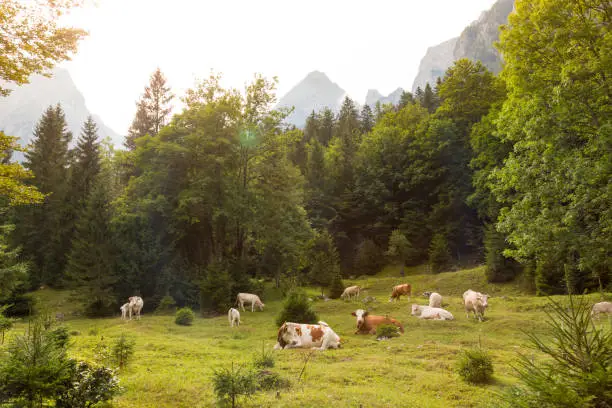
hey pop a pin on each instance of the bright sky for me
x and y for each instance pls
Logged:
(358, 44)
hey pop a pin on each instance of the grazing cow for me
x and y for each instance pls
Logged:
(426, 295)
(251, 299)
(135, 306)
(124, 310)
(350, 292)
(233, 316)
(367, 324)
(475, 302)
(431, 313)
(401, 290)
(298, 335)
(601, 307)
(435, 300)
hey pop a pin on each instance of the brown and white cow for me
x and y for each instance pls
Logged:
(300, 335)
(136, 304)
(350, 292)
(249, 299)
(401, 290)
(367, 323)
(475, 302)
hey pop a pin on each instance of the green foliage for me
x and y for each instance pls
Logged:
(475, 366)
(123, 351)
(230, 384)
(264, 359)
(6, 323)
(499, 268)
(296, 308)
(13, 175)
(576, 372)
(216, 289)
(324, 259)
(61, 336)
(387, 330)
(336, 288)
(270, 380)
(439, 254)
(13, 273)
(35, 368)
(167, 304)
(184, 317)
(369, 259)
(88, 386)
(399, 250)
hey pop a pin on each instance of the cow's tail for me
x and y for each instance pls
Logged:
(401, 328)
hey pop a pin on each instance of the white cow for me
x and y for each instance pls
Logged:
(601, 307)
(435, 300)
(298, 335)
(431, 313)
(350, 292)
(135, 307)
(251, 299)
(475, 302)
(233, 315)
(124, 310)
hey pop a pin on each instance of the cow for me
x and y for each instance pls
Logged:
(350, 292)
(367, 324)
(426, 295)
(601, 307)
(124, 310)
(251, 299)
(431, 313)
(475, 302)
(435, 300)
(233, 315)
(299, 335)
(401, 290)
(135, 306)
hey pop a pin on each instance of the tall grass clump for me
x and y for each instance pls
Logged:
(297, 309)
(577, 370)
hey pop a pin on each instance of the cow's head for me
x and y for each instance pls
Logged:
(416, 310)
(484, 299)
(260, 305)
(360, 314)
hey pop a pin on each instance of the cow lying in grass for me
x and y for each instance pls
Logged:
(367, 323)
(475, 302)
(431, 313)
(233, 316)
(299, 335)
(249, 299)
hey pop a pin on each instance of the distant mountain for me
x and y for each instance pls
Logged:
(475, 43)
(20, 111)
(314, 92)
(374, 96)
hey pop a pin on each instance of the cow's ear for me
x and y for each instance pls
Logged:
(354, 314)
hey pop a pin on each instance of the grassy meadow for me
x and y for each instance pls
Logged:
(172, 365)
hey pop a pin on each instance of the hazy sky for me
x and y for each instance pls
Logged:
(358, 44)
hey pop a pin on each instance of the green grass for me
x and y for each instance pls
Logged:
(172, 365)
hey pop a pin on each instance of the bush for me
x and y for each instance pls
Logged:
(61, 336)
(387, 330)
(88, 386)
(216, 288)
(369, 259)
(439, 254)
(577, 370)
(475, 366)
(230, 384)
(269, 380)
(336, 288)
(297, 309)
(184, 317)
(167, 304)
(123, 350)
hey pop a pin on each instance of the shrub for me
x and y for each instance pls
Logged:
(336, 288)
(230, 384)
(184, 317)
(167, 304)
(475, 366)
(6, 323)
(369, 259)
(439, 254)
(269, 380)
(60, 335)
(387, 330)
(88, 385)
(577, 370)
(296, 309)
(216, 288)
(123, 350)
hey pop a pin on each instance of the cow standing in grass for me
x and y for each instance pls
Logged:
(601, 307)
(350, 292)
(233, 316)
(367, 324)
(251, 299)
(475, 302)
(124, 311)
(401, 290)
(136, 304)
(435, 300)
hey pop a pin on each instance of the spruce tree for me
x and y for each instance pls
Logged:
(141, 125)
(91, 264)
(44, 230)
(367, 119)
(87, 163)
(327, 122)
(405, 99)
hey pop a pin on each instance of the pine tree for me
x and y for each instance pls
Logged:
(428, 100)
(87, 163)
(44, 231)
(311, 129)
(405, 99)
(367, 119)
(153, 109)
(327, 122)
(91, 266)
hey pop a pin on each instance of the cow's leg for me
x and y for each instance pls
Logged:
(252, 306)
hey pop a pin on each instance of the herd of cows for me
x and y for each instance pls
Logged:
(321, 337)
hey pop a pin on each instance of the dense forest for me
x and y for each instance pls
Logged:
(512, 170)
